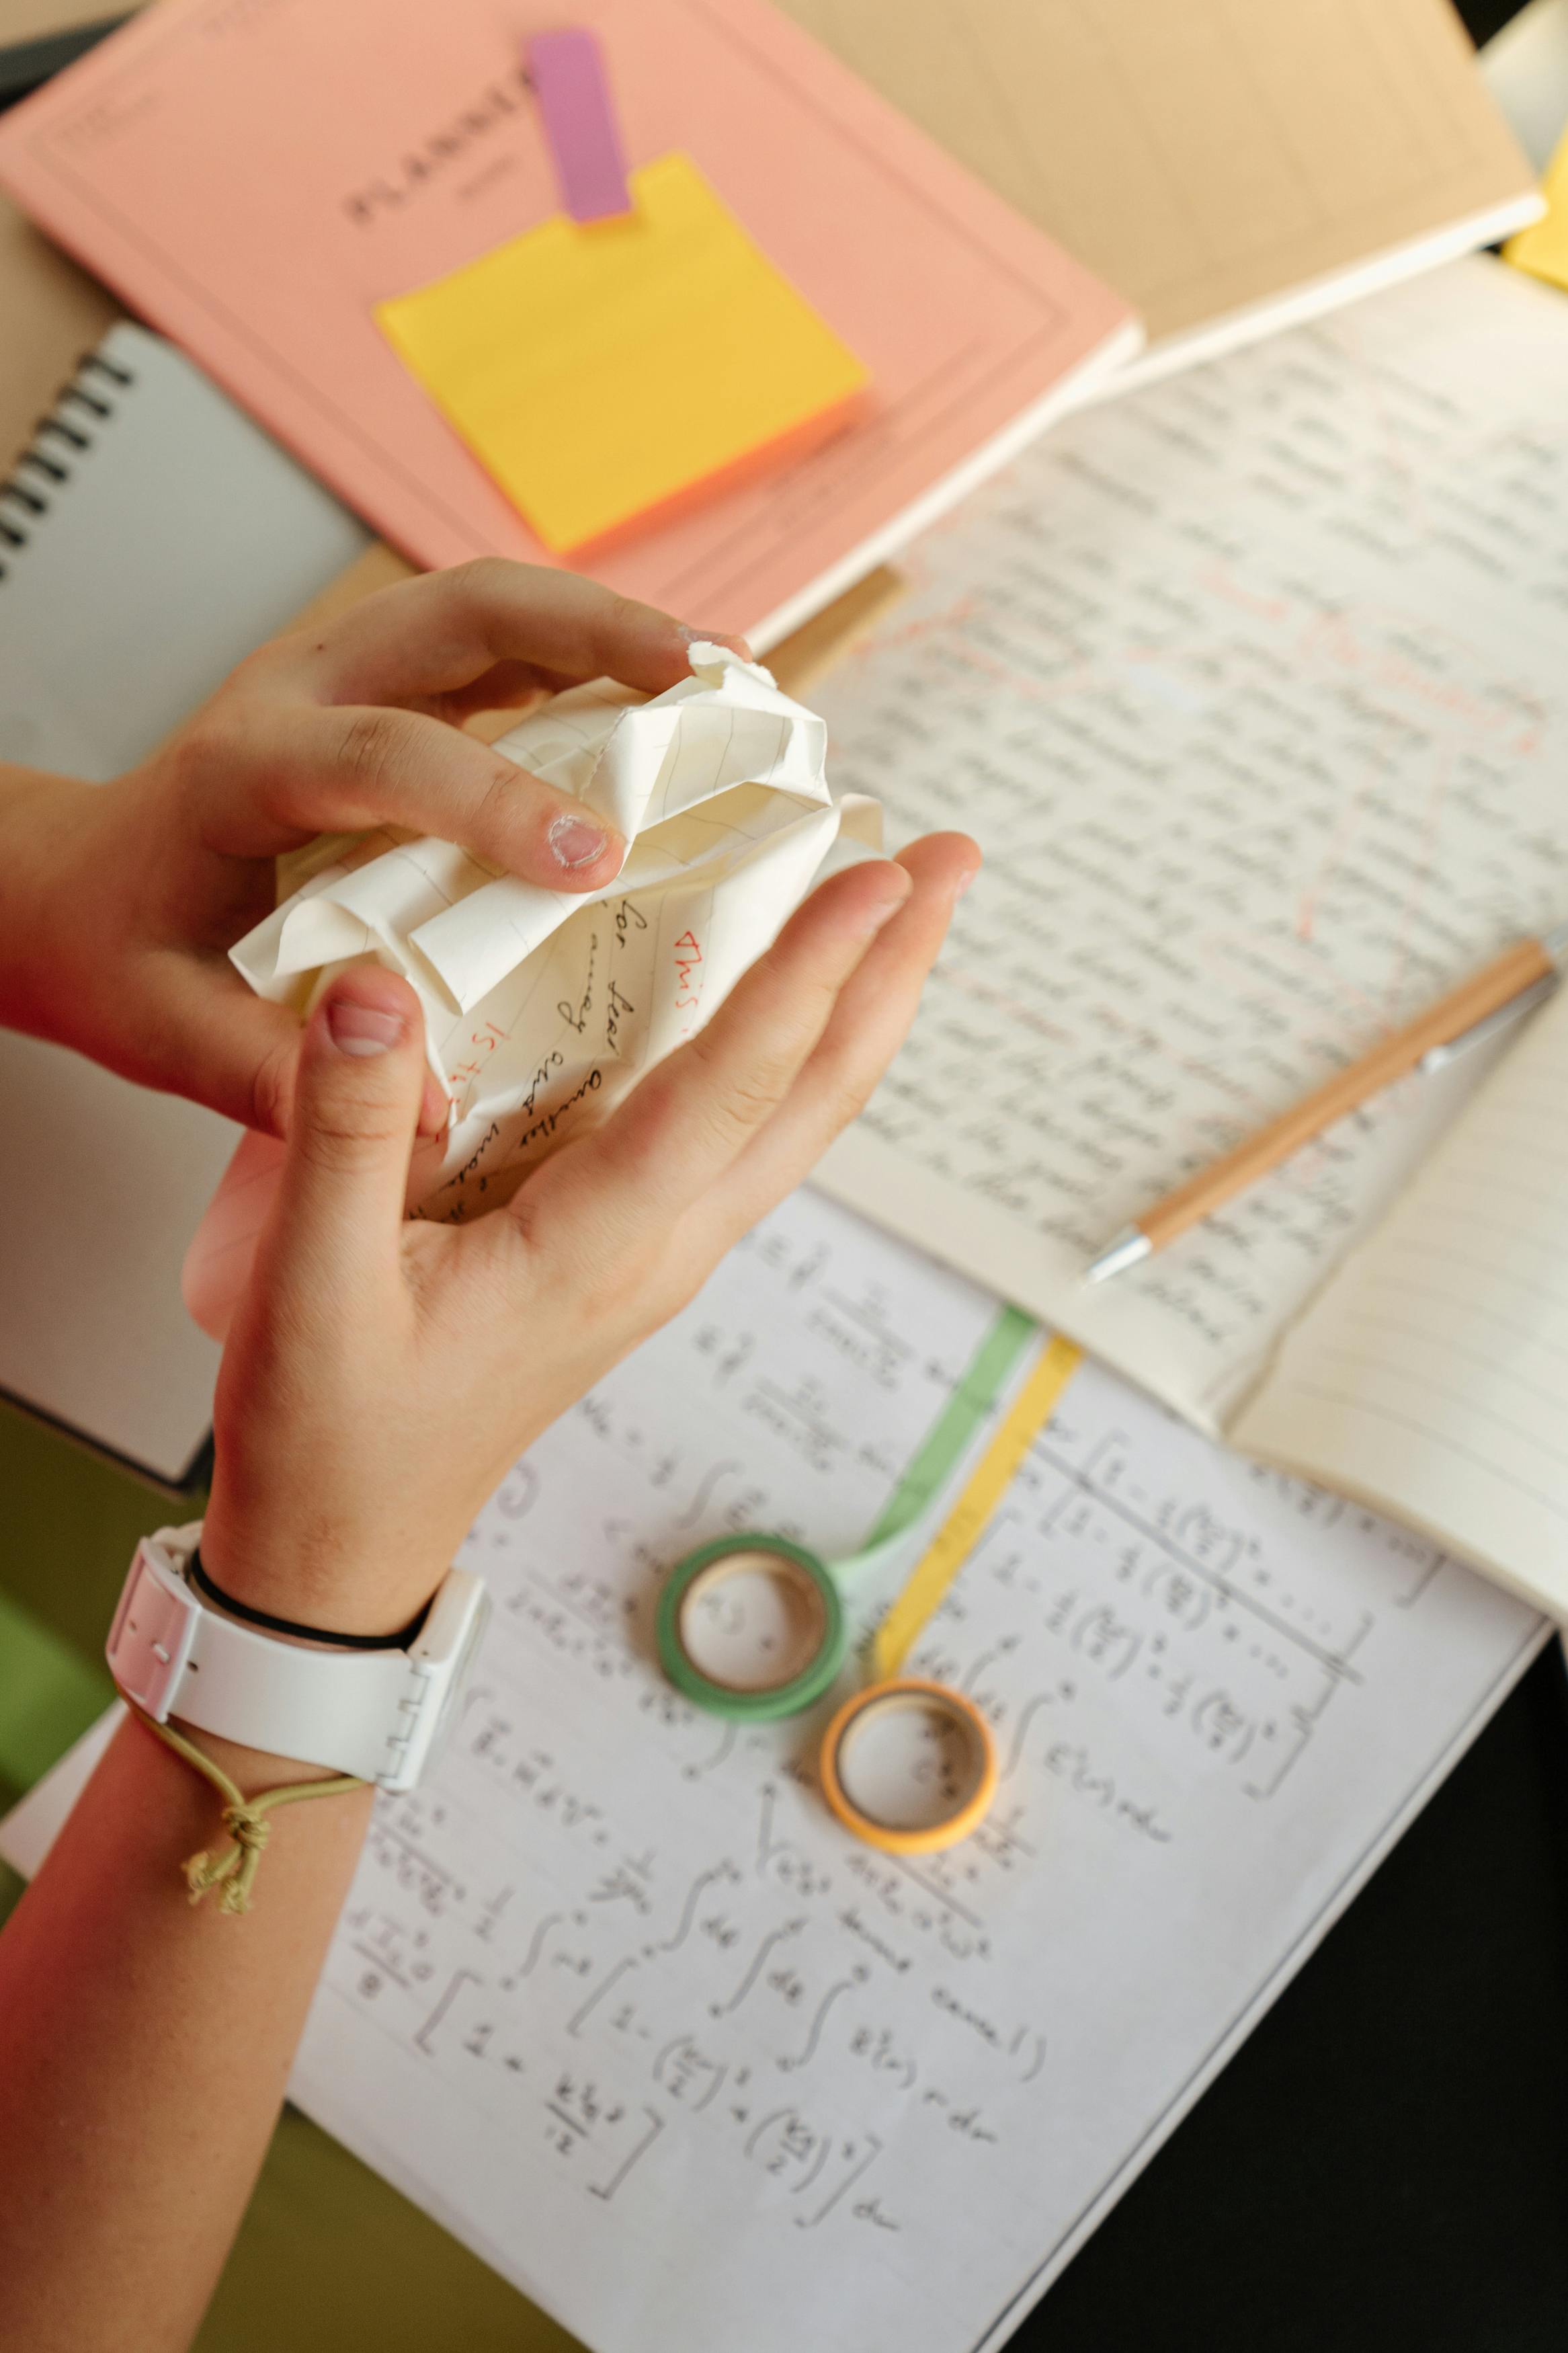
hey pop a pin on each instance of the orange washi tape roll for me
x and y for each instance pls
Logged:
(909, 1766)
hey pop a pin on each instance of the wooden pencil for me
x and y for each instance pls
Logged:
(1511, 985)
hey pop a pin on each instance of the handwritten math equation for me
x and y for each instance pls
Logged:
(628, 1941)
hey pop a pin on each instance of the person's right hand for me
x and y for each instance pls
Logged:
(381, 1376)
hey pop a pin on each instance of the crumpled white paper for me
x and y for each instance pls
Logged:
(541, 1007)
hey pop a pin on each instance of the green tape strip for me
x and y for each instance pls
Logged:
(48, 1695)
(949, 1434)
(925, 1478)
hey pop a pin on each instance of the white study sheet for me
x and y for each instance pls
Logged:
(616, 1999)
(1250, 685)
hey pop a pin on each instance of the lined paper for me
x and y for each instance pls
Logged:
(1251, 687)
(1431, 1377)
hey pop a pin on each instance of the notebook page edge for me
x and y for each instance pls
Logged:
(1420, 1393)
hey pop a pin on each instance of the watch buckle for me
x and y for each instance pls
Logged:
(150, 1641)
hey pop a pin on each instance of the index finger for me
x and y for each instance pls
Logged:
(433, 636)
(685, 1123)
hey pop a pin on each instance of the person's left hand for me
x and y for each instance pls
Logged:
(383, 1374)
(122, 900)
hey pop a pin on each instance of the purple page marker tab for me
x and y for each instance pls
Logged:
(567, 72)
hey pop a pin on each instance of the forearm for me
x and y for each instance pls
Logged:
(145, 2044)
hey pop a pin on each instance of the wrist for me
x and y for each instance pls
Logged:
(300, 1634)
(314, 1582)
(258, 1769)
(374, 1711)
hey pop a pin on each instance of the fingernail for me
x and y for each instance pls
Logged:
(962, 883)
(574, 842)
(717, 637)
(894, 894)
(362, 1029)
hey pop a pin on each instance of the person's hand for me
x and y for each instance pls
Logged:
(126, 897)
(381, 1376)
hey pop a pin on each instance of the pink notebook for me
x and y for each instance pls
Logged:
(253, 178)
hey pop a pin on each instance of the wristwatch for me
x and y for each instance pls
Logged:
(377, 1713)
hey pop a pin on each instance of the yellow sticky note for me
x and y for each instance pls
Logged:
(599, 369)
(1542, 248)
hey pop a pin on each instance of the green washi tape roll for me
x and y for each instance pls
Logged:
(763, 1608)
(752, 1627)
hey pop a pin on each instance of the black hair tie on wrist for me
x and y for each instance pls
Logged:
(196, 1570)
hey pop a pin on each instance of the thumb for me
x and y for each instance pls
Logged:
(357, 1094)
(235, 1051)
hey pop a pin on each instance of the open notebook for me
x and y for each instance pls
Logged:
(1432, 1374)
(1251, 685)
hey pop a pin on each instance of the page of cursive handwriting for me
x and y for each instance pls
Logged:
(1251, 687)
(616, 1999)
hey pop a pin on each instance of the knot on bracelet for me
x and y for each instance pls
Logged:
(244, 1818)
(249, 1829)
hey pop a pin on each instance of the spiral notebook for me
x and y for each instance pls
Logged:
(149, 536)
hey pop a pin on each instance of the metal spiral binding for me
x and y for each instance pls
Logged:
(42, 467)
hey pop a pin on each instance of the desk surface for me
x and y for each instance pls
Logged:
(1385, 2166)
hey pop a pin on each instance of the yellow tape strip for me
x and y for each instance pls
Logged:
(960, 1531)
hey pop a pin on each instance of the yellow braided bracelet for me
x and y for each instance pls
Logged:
(244, 1818)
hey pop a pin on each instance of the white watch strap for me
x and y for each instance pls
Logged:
(355, 1711)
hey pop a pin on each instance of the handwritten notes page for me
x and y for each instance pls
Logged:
(616, 1999)
(1251, 687)
(1432, 1375)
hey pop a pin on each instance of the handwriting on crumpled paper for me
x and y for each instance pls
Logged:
(542, 1006)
